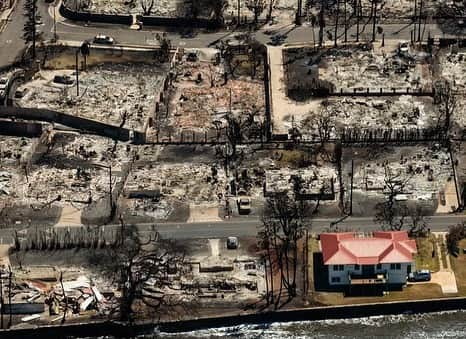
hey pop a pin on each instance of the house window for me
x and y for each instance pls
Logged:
(356, 267)
(379, 266)
(335, 279)
(395, 267)
(338, 267)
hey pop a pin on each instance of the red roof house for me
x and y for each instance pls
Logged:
(382, 248)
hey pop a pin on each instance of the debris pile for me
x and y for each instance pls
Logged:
(426, 171)
(117, 94)
(201, 97)
(374, 71)
(86, 150)
(311, 183)
(162, 8)
(78, 296)
(227, 279)
(12, 149)
(372, 113)
(47, 185)
(453, 69)
(193, 183)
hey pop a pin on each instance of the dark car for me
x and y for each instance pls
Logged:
(20, 93)
(232, 243)
(422, 275)
(63, 79)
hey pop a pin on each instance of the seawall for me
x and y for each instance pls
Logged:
(304, 314)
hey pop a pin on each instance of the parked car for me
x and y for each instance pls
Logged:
(20, 93)
(3, 84)
(232, 243)
(244, 205)
(63, 79)
(422, 275)
(103, 39)
(192, 57)
(403, 47)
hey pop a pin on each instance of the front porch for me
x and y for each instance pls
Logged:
(368, 279)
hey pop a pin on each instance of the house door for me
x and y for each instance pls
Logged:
(368, 270)
(408, 269)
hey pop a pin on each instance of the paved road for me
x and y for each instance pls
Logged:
(11, 42)
(248, 227)
(11, 39)
(67, 30)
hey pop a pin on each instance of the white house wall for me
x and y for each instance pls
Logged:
(394, 276)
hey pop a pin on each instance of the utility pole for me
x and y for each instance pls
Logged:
(346, 23)
(414, 20)
(374, 13)
(110, 189)
(358, 17)
(239, 12)
(420, 18)
(336, 23)
(34, 2)
(77, 74)
(321, 23)
(2, 305)
(230, 103)
(351, 187)
(54, 23)
(10, 274)
(64, 298)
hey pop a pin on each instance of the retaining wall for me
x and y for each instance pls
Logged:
(306, 314)
(20, 129)
(95, 17)
(74, 15)
(87, 125)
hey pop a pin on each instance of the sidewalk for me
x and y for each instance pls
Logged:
(445, 277)
(283, 108)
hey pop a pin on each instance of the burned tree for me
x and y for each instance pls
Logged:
(270, 10)
(283, 226)
(322, 123)
(256, 7)
(141, 266)
(394, 215)
(216, 7)
(447, 103)
(147, 6)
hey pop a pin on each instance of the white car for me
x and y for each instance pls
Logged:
(103, 39)
(403, 47)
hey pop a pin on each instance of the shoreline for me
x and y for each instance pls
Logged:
(118, 329)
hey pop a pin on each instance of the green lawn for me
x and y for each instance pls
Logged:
(458, 265)
(410, 292)
(424, 259)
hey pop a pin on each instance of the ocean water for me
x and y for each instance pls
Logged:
(433, 325)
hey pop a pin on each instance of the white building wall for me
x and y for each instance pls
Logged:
(394, 276)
